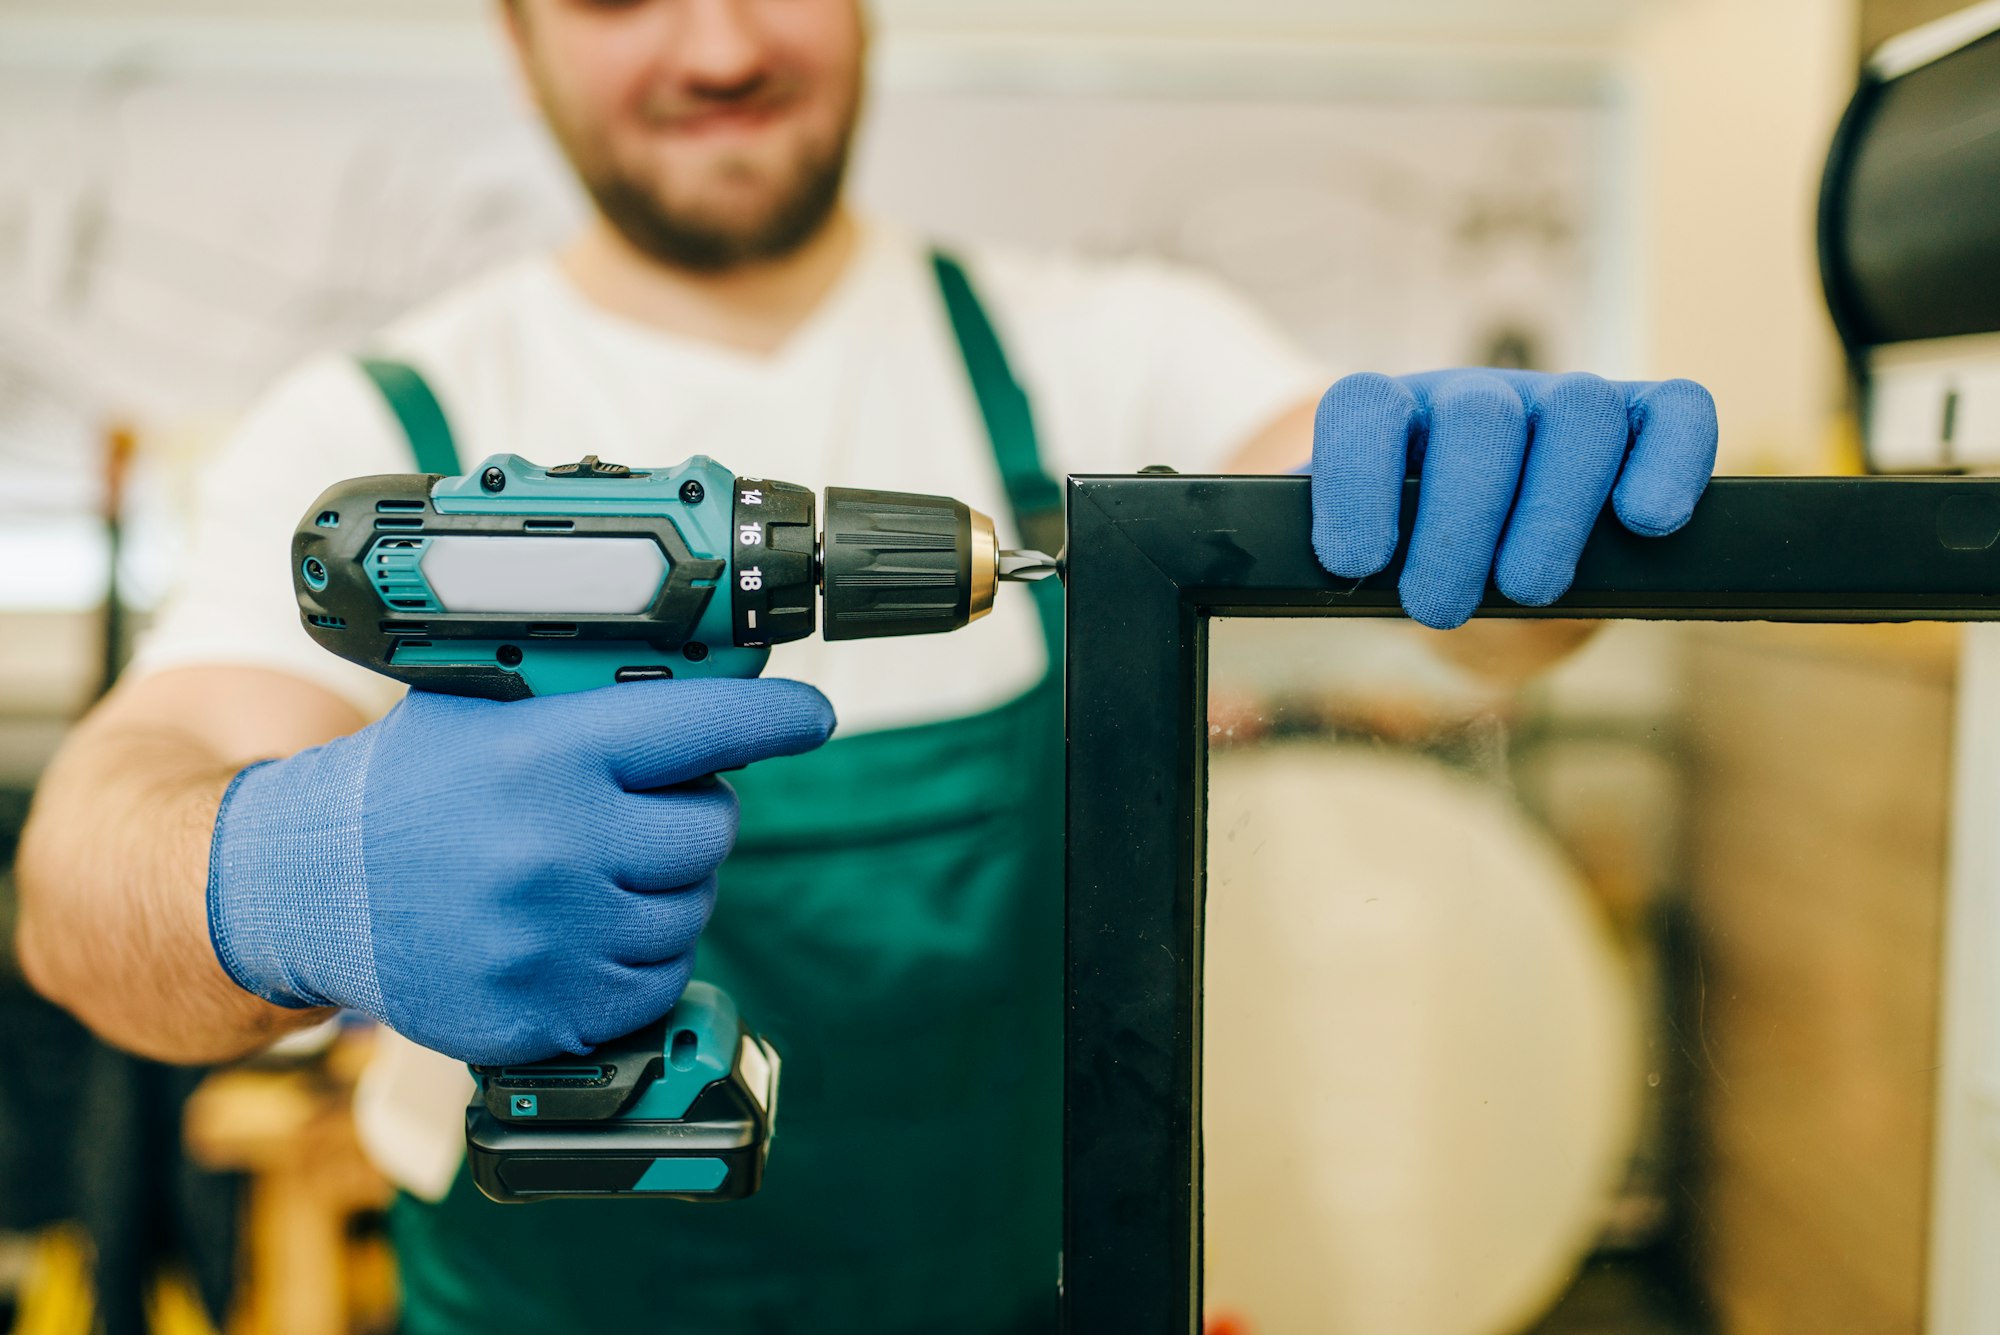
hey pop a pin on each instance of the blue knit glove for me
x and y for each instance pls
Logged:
(1515, 469)
(499, 882)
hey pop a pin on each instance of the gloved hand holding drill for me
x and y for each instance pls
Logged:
(499, 882)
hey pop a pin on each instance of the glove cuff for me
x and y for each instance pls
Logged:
(287, 890)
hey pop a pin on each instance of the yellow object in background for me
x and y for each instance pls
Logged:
(58, 1299)
(175, 1308)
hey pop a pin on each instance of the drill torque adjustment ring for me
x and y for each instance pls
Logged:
(774, 573)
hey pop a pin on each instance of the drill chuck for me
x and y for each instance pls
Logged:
(889, 563)
(896, 564)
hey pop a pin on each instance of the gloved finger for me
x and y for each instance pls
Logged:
(1673, 454)
(1472, 466)
(671, 837)
(635, 927)
(1579, 437)
(629, 996)
(656, 733)
(1361, 450)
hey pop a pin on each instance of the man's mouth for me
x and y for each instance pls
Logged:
(740, 111)
(718, 121)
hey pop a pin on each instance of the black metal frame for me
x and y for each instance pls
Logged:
(1150, 560)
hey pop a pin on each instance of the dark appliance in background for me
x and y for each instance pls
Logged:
(1909, 246)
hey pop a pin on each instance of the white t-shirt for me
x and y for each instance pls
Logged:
(1126, 364)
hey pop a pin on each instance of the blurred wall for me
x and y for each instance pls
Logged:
(1817, 883)
(1731, 103)
(1269, 17)
(1734, 102)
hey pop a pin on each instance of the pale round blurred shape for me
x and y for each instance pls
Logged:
(1421, 1050)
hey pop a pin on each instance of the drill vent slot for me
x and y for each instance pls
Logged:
(325, 622)
(649, 673)
(555, 1077)
(410, 602)
(398, 507)
(406, 628)
(328, 519)
(396, 522)
(550, 630)
(549, 525)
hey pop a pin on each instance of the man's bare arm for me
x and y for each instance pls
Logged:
(1285, 445)
(113, 868)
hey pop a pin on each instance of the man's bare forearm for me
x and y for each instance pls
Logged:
(113, 875)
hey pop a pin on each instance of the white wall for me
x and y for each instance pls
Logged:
(1734, 102)
(1731, 103)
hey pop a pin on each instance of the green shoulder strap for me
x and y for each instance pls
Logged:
(418, 410)
(1035, 497)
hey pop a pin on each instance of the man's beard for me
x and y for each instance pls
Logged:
(705, 239)
(694, 238)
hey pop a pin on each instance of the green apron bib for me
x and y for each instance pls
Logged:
(892, 920)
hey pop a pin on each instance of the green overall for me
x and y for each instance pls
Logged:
(892, 920)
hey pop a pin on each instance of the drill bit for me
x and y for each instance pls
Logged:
(1025, 566)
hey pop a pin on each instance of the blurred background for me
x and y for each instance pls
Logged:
(196, 193)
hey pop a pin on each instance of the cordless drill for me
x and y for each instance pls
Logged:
(516, 580)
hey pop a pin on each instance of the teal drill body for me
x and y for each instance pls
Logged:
(550, 668)
(666, 537)
(516, 580)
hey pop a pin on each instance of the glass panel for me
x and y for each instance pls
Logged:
(1601, 998)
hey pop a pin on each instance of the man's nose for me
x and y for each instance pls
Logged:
(720, 46)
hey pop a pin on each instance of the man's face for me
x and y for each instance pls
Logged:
(710, 132)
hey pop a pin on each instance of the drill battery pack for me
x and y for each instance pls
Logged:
(682, 1109)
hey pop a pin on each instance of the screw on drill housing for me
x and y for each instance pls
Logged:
(692, 492)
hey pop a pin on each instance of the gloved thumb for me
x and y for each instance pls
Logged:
(655, 734)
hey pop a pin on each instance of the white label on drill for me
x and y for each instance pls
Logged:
(548, 576)
(756, 1070)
